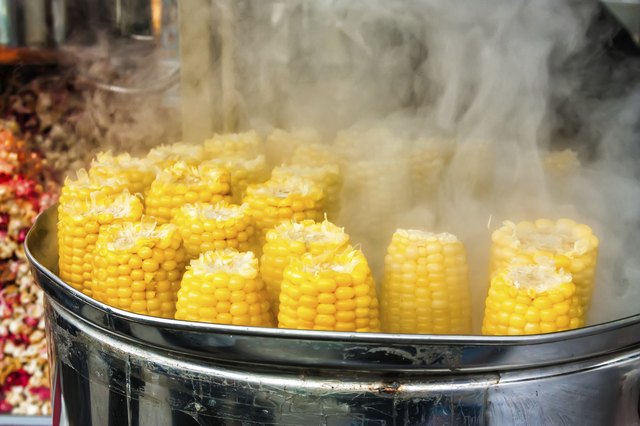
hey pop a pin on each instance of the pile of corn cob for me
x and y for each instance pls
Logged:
(205, 233)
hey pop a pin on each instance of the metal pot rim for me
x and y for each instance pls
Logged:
(433, 353)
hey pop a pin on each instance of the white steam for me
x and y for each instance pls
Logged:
(444, 114)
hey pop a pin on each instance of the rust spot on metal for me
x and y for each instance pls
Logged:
(391, 389)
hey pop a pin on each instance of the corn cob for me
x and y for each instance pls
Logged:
(78, 232)
(182, 184)
(426, 285)
(85, 188)
(281, 145)
(243, 173)
(334, 292)
(531, 299)
(206, 227)
(138, 267)
(562, 163)
(326, 177)
(136, 173)
(224, 287)
(377, 191)
(277, 201)
(427, 163)
(569, 245)
(166, 156)
(471, 167)
(314, 155)
(290, 240)
(245, 146)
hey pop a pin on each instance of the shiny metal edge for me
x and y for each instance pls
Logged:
(318, 349)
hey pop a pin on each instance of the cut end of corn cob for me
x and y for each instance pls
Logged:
(568, 245)
(206, 227)
(224, 287)
(564, 236)
(181, 184)
(531, 299)
(244, 172)
(165, 156)
(245, 145)
(138, 266)
(291, 240)
(539, 278)
(84, 186)
(137, 173)
(327, 177)
(426, 287)
(329, 292)
(562, 162)
(280, 200)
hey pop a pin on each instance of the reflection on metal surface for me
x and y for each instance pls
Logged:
(120, 368)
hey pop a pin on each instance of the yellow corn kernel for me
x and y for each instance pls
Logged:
(326, 177)
(281, 145)
(562, 163)
(277, 201)
(165, 156)
(426, 284)
(136, 173)
(531, 299)
(314, 155)
(333, 291)
(85, 188)
(224, 287)
(427, 162)
(206, 227)
(182, 184)
(138, 267)
(240, 146)
(243, 173)
(78, 231)
(570, 246)
(289, 241)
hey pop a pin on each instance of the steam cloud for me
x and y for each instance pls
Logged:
(446, 113)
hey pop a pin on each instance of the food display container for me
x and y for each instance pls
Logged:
(110, 366)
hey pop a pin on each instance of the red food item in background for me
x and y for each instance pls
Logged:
(26, 188)
(42, 392)
(5, 407)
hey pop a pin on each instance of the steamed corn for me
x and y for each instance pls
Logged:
(78, 231)
(224, 287)
(329, 292)
(136, 173)
(240, 146)
(281, 145)
(182, 184)
(84, 188)
(569, 245)
(426, 286)
(138, 267)
(326, 177)
(531, 299)
(206, 227)
(279, 200)
(243, 173)
(427, 164)
(290, 240)
(314, 155)
(165, 156)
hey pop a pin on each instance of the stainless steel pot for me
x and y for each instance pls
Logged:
(114, 367)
